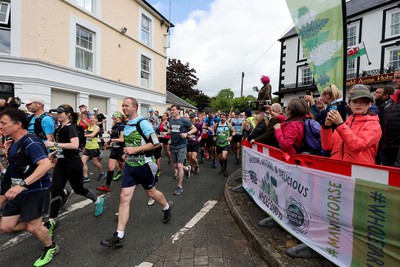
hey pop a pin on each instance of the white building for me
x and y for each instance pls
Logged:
(374, 22)
(92, 52)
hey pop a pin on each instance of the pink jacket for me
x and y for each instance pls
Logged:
(290, 136)
(355, 140)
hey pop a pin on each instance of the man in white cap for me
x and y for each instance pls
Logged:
(40, 123)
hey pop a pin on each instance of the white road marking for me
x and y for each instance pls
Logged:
(207, 207)
(21, 237)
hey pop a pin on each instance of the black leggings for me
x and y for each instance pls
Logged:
(66, 170)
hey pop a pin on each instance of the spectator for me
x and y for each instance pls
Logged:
(264, 131)
(366, 88)
(390, 124)
(331, 97)
(356, 139)
(83, 108)
(264, 94)
(289, 134)
(382, 95)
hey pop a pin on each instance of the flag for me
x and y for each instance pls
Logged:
(319, 26)
(356, 51)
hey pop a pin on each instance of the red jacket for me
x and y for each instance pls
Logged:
(355, 140)
(290, 136)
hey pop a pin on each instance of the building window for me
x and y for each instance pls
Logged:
(145, 71)
(302, 55)
(86, 4)
(351, 67)
(394, 58)
(395, 23)
(146, 30)
(4, 12)
(306, 77)
(352, 35)
(84, 52)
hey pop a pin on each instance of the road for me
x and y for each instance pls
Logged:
(79, 232)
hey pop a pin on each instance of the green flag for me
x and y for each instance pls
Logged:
(319, 25)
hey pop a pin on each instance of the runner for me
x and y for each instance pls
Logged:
(117, 145)
(139, 169)
(27, 193)
(194, 144)
(223, 135)
(237, 124)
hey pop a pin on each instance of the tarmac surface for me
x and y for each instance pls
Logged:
(229, 235)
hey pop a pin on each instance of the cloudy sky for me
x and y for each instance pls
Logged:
(223, 38)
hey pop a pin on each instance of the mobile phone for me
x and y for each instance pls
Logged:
(333, 108)
(308, 92)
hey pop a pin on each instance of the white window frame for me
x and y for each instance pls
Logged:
(302, 55)
(354, 26)
(96, 6)
(388, 59)
(77, 21)
(146, 14)
(6, 19)
(150, 72)
(388, 26)
(305, 80)
(85, 3)
(145, 30)
(145, 82)
(86, 50)
(351, 66)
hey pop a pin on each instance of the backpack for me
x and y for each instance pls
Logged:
(312, 138)
(149, 153)
(37, 125)
(24, 165)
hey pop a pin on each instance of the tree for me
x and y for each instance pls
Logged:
(244, 102)
(181, 79)
(223, 101)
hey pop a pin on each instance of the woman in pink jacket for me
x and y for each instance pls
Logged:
(357, 139)
(289, 134)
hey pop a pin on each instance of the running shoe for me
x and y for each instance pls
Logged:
(99, 207)
(167, 213)
(159, 173)
(51, 225)
(104, 188)
(214, 164)
(178, 191)
(47, 255)
(86, 179)
(101, 176)
(175, 176)
(187, 173)
(66, 197)
(118, 176)
(151, 202)
(113, 242)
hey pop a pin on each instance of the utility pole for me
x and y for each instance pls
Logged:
(241, 87)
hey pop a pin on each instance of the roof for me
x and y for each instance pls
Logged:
(158, 13)
(173, 99)
(353, 8)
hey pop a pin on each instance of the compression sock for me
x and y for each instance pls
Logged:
(110, 175)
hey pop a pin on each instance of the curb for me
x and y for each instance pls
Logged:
(270, 242)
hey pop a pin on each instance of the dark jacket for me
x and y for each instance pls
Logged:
(264, 133)
(390, 123)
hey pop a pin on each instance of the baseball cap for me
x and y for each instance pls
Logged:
(96, 109)
(192, 115)
(361, 94)
(151, 110)
(62, 109)
(36, 99)
(81, 106)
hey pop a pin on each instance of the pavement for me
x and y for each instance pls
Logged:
(229, 235)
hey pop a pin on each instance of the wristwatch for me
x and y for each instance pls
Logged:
(23, 184)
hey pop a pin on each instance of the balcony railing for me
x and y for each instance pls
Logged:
(349, 76)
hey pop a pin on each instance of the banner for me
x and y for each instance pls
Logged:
(319, 25)
(349, 221)
(356, 51)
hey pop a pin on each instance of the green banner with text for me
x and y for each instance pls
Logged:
(319, 25)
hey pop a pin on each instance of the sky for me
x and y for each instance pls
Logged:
(220, 39)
